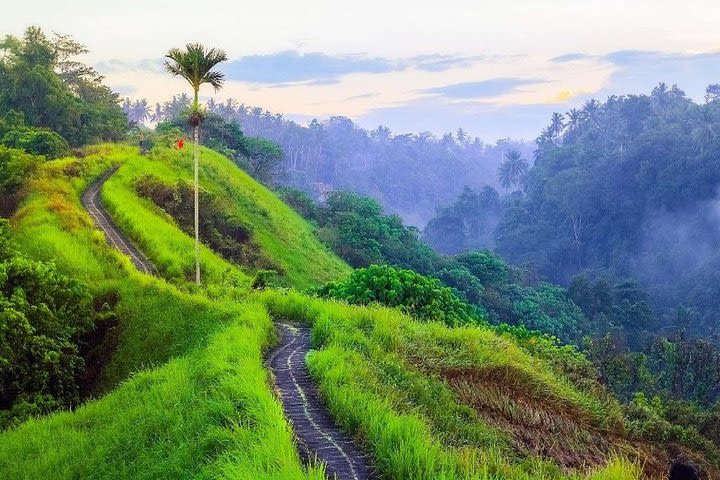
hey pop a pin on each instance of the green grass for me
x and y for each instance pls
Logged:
(184, 393)
(379, 373)
(284, 237)
(205, 415)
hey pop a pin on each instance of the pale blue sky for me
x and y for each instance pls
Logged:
(494, 68)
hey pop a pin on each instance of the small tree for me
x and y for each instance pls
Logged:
(195, 64)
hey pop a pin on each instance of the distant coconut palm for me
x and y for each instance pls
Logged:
(512, 169)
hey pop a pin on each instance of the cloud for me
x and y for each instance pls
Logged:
(442, 63)
(125, 90)
(155, 65)
(571, 57)
(638, 71)
(316, 68)
(363, 95)
(484, 88)
(293, 67)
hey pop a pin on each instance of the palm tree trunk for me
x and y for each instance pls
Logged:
(196, 154)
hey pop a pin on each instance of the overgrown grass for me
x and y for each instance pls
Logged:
(206, 415)
(284, 237)
(192, 397)
(380, 373)
(185, 392)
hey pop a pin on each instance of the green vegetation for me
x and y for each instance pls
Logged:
(41, 80)
(15, 134)
(42, 316)
(283, 237)
(222, 232)
(418, 296)
(438, 402)
(257, 156)
(171, 372)
(358, 231)
(15, 167)
(209, 414)
(192, 397)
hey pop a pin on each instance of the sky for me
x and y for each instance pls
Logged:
(497, 69)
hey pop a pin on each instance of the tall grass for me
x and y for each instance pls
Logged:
(367, 364)
(185, 394)
(209, 414)
(284, 237)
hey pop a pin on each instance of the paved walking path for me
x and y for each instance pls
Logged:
(316, 433)
(93, 204)
(315, 430)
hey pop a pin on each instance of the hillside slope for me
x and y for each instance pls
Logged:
(182, 391)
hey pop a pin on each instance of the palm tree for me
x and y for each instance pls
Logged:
(139, 111)
(512, 169)
(557, 123)
(195, 64)
(574, 119)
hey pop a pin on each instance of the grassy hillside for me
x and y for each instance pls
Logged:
(284, 237)
(439, 402)
(184, 391)
(192, 397)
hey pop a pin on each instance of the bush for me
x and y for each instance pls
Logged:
(15, 166)
(37, 142)
(422, 297)
(300, 201)
(42, 315)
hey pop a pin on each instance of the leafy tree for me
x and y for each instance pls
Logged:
(410, 174)
(466, 224)
(39, 79)
(15, 167)
(263, 156)
(195, 64)
(300, 201)
(547, 308)
(37, 142)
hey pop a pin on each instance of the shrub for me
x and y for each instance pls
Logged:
(15, 166)
(300, 201)
(37, 142)
(422, 297)
(42, 315)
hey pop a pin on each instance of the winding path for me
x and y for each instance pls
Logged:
(93, 204)
(316, 433)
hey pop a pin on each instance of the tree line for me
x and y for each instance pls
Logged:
(411, 174)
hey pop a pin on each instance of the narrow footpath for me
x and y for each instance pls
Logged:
(93, 204)
(317, 435)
